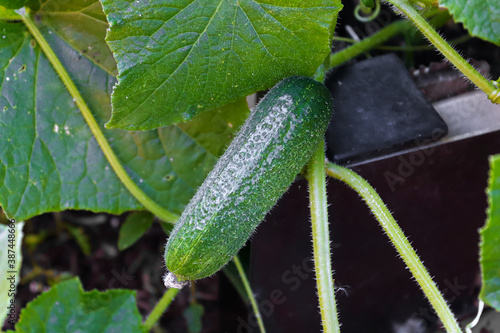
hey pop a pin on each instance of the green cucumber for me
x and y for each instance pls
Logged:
(271, 148)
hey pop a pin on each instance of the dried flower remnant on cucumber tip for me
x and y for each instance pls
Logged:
(171, 281)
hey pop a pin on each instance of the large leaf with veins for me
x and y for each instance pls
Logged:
(66, 307)
(82, 24)
(49, 160)
(490, 238)
(480, 17)
(177, 58)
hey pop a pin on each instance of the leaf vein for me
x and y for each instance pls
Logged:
(187, 56)
(35, 76)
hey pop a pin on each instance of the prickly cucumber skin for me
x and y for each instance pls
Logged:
(273, 145)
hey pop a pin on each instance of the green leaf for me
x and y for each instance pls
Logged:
(10, 246)
(67, 308)
(480, 17)
(490, 238)
(177, 58)
(13, 4)
(8, 14)
(133, 228)
(49, 160)
(82, 24)
(193, 316)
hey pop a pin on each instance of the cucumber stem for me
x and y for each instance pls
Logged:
(439, 18)
(458, 61)
(113, 160)
(409, 48)
(249, 291)
(368, 43)
(321, 240)
(123, 176)
(160, 308)
(398, 240)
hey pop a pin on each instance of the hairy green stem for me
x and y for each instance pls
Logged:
(438, 18)
(113, 160)
(456, 41)
(160, 308)
(400, 242)
(110, 155)
(368, 43)
(321, 240)
(460, 63)
(248, 289)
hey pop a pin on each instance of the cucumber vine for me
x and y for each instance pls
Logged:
(152, 206)
(315, 176)
(399, 240)
(146, 110)
(148, 203)
(449, 52)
